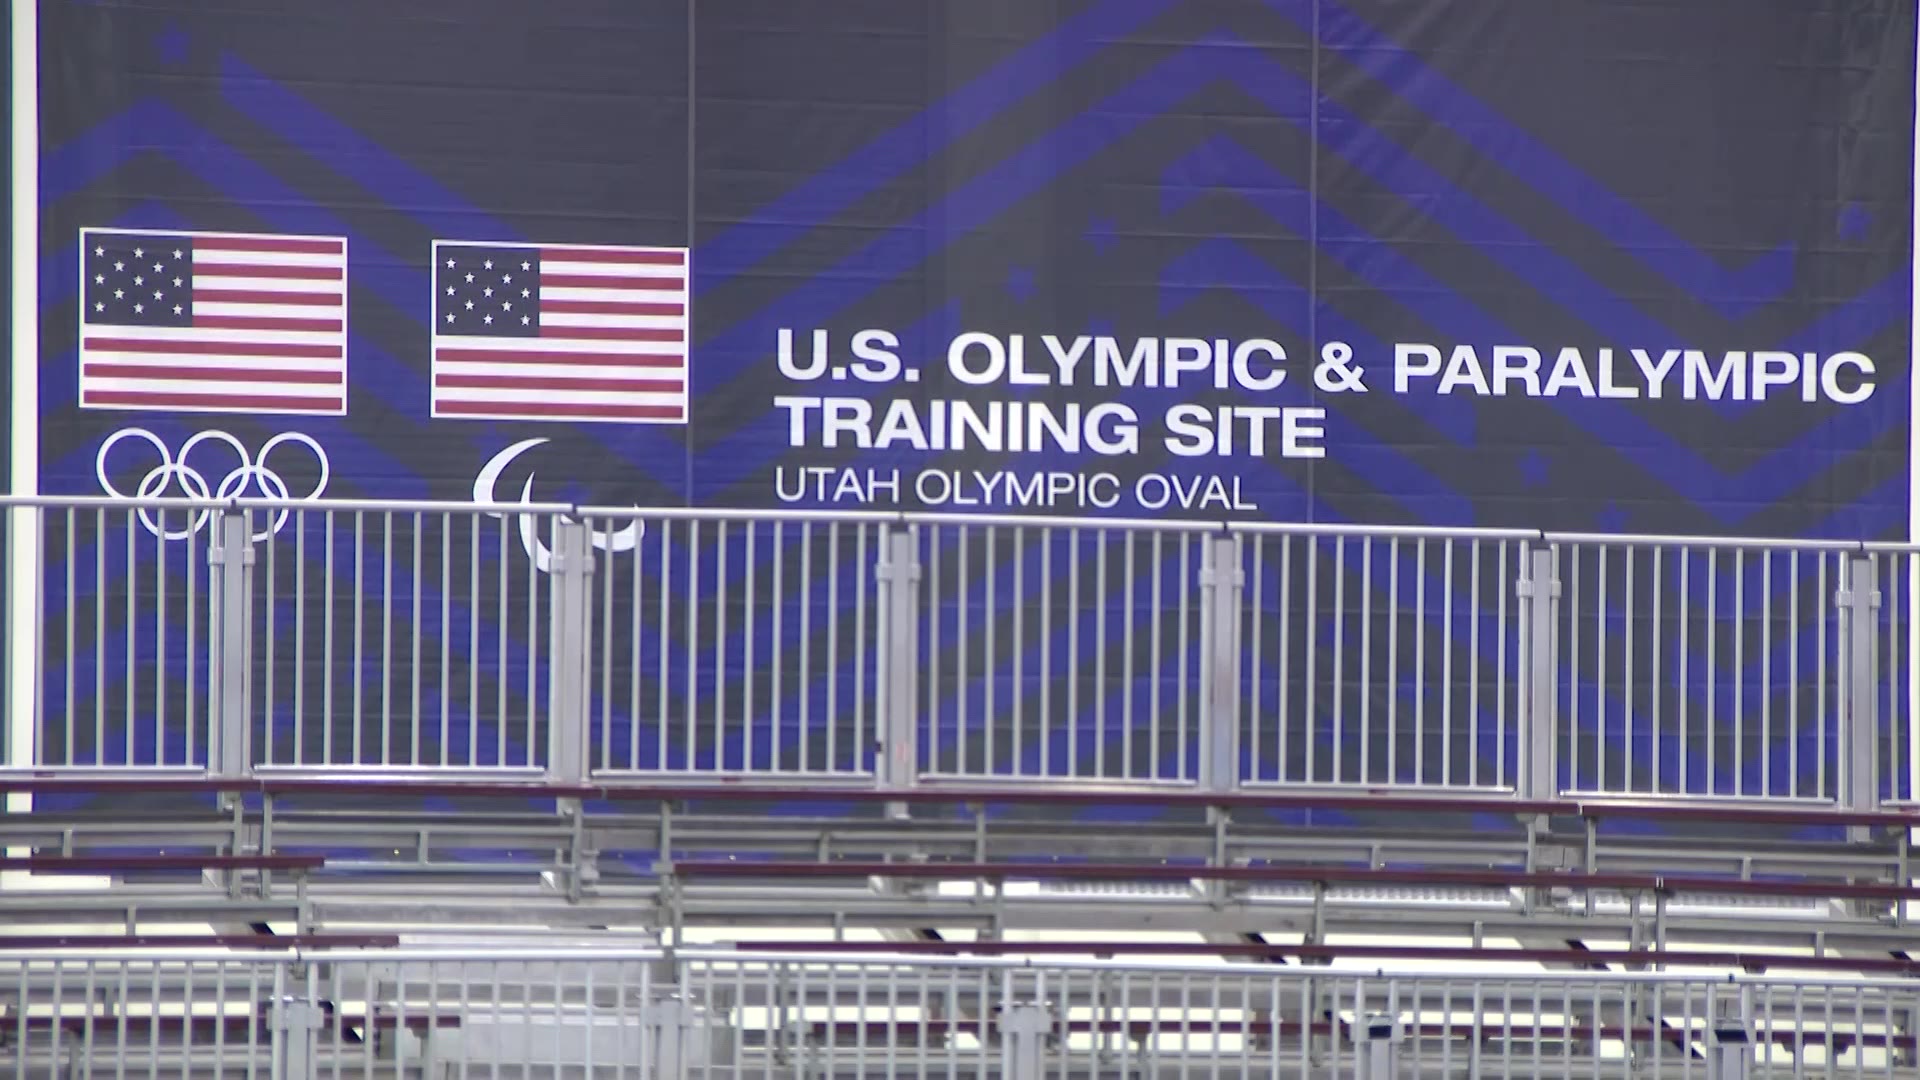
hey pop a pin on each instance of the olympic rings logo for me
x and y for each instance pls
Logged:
(182, 476)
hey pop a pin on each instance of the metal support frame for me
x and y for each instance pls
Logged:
(1024, 1028)
(1730, 1041)
(296, 1020)
(570, 623)
(230, 564)
(1539, 590)
(670, 1024)
(899, 575)
(1377, 1041)
(1858, 600)
(1222, 580)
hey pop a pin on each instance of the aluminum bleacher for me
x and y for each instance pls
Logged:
(1480, 803)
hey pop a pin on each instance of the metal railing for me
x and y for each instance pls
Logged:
(648, 1014)
(893, 650)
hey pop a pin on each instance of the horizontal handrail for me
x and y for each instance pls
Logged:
(907, 518)
(940, 795)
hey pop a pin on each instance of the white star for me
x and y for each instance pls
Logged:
(524, 292)
(139, 308)
(449, 316)
(449, 264)
(138, 280)
(506, 305)
(98, 306)
(469, 279)
(119, 294)
(523, 320)
(469, 305)
(139, 254)
(157, 267)
(488, 264)
(489, 319)
(489, 290)
(99, 279)
(449, 290)
(156, 294)
(176, 309)
(119, 266)
(504, 278)
(176, 283)
(526, 266)
(177, 253)
(99, 251)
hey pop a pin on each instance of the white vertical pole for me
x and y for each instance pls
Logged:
(25, 555)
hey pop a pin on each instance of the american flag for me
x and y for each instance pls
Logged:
(213, 322)
(553, 332)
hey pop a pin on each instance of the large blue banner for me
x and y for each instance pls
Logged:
(1570, 264)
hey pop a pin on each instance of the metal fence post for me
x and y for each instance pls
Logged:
(898, 573)
(1222, 583)
(570, 620)
(295, 1017)
(1378, 1039)
(229, 572)
(670, 1021)
(1539, 590)
(1024, 1028)
(1859, 600)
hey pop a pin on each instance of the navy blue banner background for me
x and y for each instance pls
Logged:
(1726, 175)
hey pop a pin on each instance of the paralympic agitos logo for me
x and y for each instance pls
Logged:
(485, 492)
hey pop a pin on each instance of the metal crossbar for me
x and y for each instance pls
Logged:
(889, 651)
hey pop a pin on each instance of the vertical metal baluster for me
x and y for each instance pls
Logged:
(1765, 690)
(1686, 634)
(691, 698)
(805, 680)
(1019, 690)
(447, 519)
(1628, 699)
(777, 645)
(100, 632)
(1284, 676)
(70, 617)
(1573, 655)
(746, 681)
(634, 621)
(273, 574)
(1251, 699)
(1712, 668)
(500, 650)
(934, 609)
(1073, 652)
(532, 721)
(1601, 640)
(1825, 599)
(414, 719)
(1475, 615)
(936, 747)
(1184, 686)
(665, 669)
(1045, 719)
(359, 599)
(1504, 585)
(473, 635)
(833, 645)
(1393, 654)
(1100, 654)
(1739, 754)
(1446, 663)
(1309, 633)
(720, 564)
(863, 570)
(1419, 660)
(1126, 655)
(1338, 690)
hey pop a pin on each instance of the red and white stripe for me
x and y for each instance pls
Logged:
(269, 333)
(612, 345)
